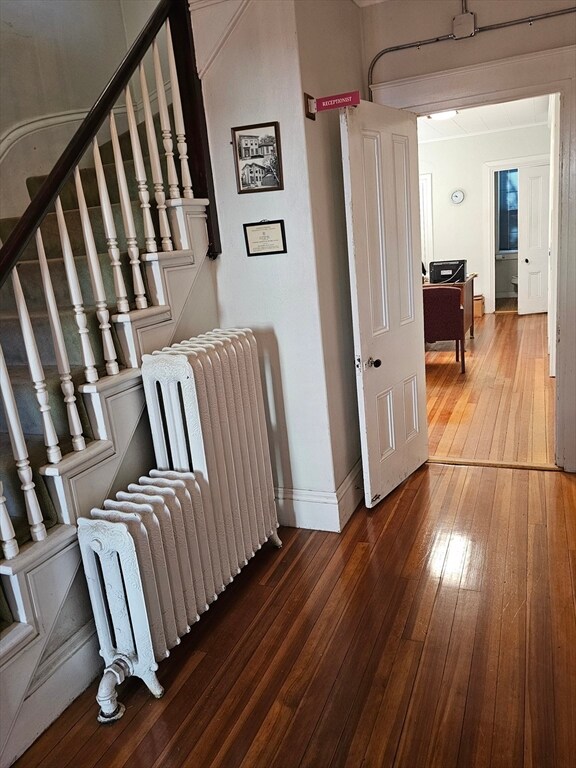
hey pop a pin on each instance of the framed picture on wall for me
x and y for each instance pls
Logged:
(264, 238)
(257, 156)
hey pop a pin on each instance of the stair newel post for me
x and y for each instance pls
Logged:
(66, 383)
(178, 119)
(7, 537)
(128, 218)
(159, 195)
(90, 371)
(140, 171)
(98, 291)
(36, 372)
(173, 184)
(20, 453)
(122, 304)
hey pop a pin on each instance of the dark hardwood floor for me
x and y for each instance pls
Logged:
(502, 409)
(437, 630)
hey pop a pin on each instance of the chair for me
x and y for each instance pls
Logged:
(444, 317)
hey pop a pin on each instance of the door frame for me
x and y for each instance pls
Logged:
(489, 230)
(519, 77)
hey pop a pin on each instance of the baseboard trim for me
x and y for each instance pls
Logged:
(321, 510)
(497, 464)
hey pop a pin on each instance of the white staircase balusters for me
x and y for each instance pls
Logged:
(36, 372)
(20, 452)
(98, 291)
(90, 371)
(159, 195)
(178, 119)
(173, 185)
(110, 233)
(7, 537)
(66, 383)
(128, 218)
(140, 172)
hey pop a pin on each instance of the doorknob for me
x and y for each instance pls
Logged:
(371, 363)
(527, 261)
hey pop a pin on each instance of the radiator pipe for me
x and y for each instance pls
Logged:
(486, 28)
(110, 708)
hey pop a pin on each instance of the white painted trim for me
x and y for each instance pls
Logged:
(528, 75)
(194, 5)
(426, 218)
(350, 493)
(73, 675)
(35, 553)
(366, 3)
(15, 637)
(231, 26)
(321, 510)
(518, 77)
(27, 127)
(489, 216)
(50, 665)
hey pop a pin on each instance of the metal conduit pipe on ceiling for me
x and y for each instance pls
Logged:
(486, 28)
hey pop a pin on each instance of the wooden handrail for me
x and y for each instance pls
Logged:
(32, 217)
(195, 120)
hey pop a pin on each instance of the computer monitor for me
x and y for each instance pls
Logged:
(448, 271)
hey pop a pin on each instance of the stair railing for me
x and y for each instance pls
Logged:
(143, 208)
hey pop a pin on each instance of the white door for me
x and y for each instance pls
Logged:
(533, 238)
(379, 154)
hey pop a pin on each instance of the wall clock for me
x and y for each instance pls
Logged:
(457, 196)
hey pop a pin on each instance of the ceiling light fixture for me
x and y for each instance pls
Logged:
(443, 115)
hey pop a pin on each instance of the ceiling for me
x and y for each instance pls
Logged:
(486, 119)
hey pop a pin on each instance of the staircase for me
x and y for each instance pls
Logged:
(110, 262)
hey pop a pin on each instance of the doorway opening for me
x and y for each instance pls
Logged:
(482, 201)
(506, 239)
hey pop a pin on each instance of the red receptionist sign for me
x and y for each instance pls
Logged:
(350, 99)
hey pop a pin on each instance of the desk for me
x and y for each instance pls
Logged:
(467, 291)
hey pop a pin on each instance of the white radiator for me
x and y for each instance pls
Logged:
(158, 554)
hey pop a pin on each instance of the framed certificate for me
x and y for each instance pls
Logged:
(265, 238)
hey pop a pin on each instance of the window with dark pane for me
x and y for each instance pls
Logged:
(507, 210)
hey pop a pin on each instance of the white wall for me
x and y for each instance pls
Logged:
(330, 61)
(56, 56)
(396, 22)
(459, 230)
(256, 77)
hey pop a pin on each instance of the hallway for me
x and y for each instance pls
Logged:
(437, 631)
(502, 409)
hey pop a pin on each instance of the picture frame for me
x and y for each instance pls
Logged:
(257, 158)
(265, 238)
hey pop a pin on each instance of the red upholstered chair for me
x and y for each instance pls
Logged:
(444, 317)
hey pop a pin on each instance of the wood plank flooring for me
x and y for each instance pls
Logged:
(437, 631)
(502, 409)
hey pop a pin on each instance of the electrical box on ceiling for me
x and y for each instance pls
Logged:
(463, 25)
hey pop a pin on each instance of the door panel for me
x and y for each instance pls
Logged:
(379, 151)
(533, 239)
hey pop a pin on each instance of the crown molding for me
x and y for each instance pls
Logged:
(195, 5)
(365, 3)
(230, 27)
